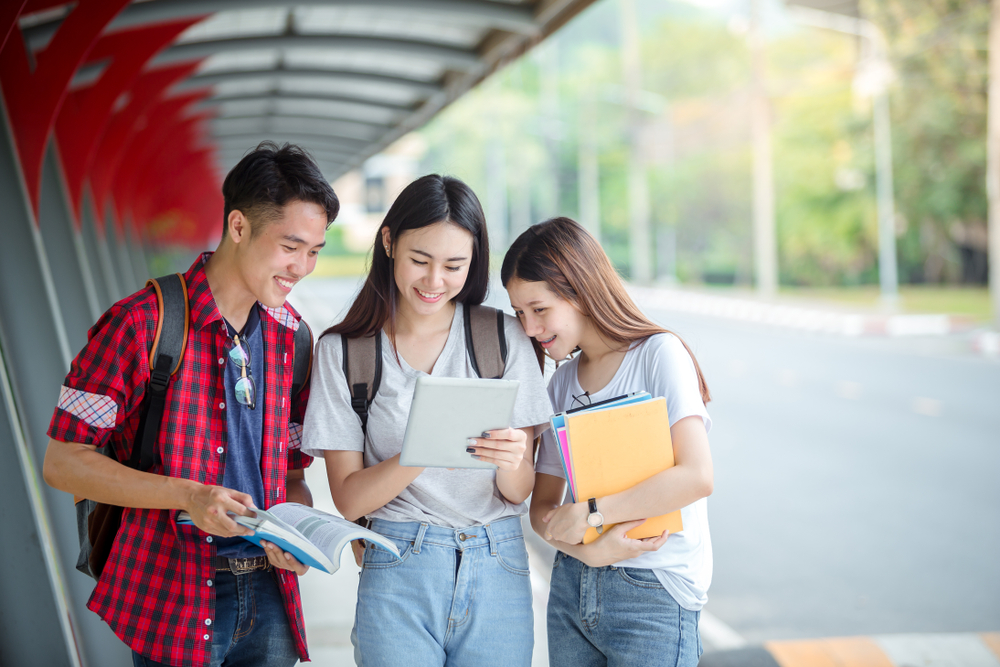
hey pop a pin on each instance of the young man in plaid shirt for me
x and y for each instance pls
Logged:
(228, 441)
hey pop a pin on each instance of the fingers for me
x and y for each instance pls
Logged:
(244, 505)
(358, 547)
(504, 459)
(282, 559)
(654, 543)
(503, 448)
(625, 526)
(505, 434)
(212, 507)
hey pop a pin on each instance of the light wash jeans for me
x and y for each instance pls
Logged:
(251, 626)
(616, 617)
(458, 598)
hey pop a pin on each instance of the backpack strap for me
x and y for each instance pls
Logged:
(485, 340)
(165, 356)
(363, 370)
(302, 365)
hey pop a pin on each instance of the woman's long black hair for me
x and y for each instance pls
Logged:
(424, 202)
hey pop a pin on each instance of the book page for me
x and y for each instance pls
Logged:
(328, 532)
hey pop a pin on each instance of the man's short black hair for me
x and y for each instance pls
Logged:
(270, 177)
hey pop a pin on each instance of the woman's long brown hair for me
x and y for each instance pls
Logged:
(564, 256)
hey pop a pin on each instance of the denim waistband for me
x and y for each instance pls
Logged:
(489, 534)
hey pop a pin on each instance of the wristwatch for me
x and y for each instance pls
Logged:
(595, 519)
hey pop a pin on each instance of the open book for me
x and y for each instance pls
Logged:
(314, 537)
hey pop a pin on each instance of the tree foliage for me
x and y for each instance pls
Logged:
(519, 136)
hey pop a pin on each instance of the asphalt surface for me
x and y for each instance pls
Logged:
(856, 480)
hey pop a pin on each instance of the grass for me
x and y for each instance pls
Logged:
(971, 302)
(337, 266)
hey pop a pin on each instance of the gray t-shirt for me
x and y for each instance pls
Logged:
(452, 498)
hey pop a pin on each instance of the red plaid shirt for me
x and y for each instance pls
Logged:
(156, 590)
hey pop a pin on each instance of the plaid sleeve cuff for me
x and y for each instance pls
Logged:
(294, 435)
(83, 416)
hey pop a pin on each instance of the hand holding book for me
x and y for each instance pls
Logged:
(614, 545)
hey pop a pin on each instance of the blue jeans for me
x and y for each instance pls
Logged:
(458, 597)
(616, 617)
(251, 626)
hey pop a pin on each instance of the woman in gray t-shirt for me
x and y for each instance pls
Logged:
(461, 591)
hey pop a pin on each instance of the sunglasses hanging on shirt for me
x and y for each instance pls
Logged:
(246, 389)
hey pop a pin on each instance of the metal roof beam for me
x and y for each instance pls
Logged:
(308, 117)
(481, 13)
(348, 133)
(310, 97)
(285, 73)
(514, 18)
(304, 139)
(448, 56)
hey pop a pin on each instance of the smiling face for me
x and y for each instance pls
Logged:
(280, 253)
(431, 265)
(557, 324)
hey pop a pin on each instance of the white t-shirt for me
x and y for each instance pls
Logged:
(661, 366)
(451, 498)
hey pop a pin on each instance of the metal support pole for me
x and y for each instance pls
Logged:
(589, 179)
(35, 608)
(640, 239)
(496, 184)
(887, 266)
(551, 124)
(126, 271)
(70, 272)
(993, 162)
(104, 241)
(765, 238)
(888, 270)
(139, 266)
(35, 359)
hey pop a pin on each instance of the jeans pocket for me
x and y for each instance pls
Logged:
(513, 556)
(639, 576)
(377, 557)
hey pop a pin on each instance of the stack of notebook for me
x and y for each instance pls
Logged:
(613, 445)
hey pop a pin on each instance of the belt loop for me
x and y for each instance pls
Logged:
(420, 538)
(493, 539)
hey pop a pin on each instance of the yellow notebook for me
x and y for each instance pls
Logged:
(615, 449)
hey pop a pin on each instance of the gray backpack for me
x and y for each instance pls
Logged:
(485, 344)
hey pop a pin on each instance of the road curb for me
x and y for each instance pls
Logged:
(910, 650)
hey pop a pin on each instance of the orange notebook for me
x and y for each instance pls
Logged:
(615, 449)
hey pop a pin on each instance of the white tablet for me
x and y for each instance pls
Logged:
(446, 412)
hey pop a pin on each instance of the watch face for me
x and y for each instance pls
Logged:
(595, 519)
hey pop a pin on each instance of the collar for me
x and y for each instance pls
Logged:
(204, 311)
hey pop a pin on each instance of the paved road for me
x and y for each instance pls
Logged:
(856, 479)
(856, 483)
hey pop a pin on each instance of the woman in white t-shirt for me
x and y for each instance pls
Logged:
(615, 601)
(461, 593)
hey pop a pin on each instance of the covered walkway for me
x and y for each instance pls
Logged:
(119, 121)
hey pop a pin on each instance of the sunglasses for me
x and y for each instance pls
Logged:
(246, 389)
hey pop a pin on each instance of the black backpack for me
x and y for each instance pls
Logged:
(98, 523)
(485, 343)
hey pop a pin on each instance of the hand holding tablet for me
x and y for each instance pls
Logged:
(447, 412)
(502, 447)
